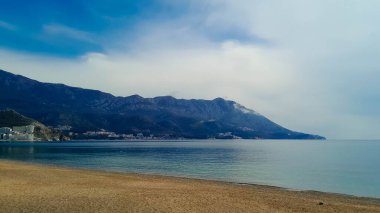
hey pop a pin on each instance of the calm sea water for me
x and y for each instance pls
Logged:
(349, 167)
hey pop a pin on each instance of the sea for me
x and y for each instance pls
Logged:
(340, 166)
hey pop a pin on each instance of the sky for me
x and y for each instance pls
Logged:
(310, 66)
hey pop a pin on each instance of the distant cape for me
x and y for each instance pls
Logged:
(90, 110)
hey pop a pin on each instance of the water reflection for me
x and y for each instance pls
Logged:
(16, 150)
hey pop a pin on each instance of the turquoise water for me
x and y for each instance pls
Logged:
(349, 167)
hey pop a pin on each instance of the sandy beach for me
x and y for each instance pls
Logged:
(37, 188)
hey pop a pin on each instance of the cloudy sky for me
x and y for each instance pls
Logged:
(311, 66)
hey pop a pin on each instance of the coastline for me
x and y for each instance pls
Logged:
(41, 188)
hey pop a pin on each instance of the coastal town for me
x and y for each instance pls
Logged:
(26, 133)
(17, 133)
(103, 134)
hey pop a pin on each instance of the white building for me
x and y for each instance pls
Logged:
(5, 130)
(24, 129)
(4, 133)
(18, 133)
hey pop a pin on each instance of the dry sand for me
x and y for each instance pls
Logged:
(35, 188)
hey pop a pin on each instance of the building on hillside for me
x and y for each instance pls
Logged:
(18, 133)
(24, 129)
(4, 133)
(5, 130)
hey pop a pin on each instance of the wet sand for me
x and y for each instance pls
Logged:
(37, 188)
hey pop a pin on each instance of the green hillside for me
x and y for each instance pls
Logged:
(10, 118)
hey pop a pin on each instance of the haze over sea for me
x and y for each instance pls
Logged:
(344, 166)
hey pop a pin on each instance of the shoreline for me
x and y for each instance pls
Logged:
(165, 140)
(37, 187)
(187, 178)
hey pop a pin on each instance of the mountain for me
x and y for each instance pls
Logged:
(90, 110)
(10, 118)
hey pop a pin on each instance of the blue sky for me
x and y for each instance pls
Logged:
(311, 66)
(70, 28)
(74, 27)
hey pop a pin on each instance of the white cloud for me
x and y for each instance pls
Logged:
(68, 32)
(8, 26)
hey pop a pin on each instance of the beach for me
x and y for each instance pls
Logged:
(39, 188)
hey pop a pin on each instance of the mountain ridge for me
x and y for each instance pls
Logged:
(86, 109)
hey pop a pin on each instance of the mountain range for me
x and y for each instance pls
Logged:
(91, 110)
